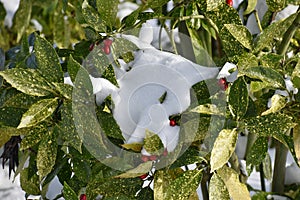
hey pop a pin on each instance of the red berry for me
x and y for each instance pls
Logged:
(144, 176)
(92, 47)
(106, 50)
(145, 158)
(107, 42)
(223, 83)
(229, 2)
(83, 197)
(152, 157)
(165, 153)
(172, 122)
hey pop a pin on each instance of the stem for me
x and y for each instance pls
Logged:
(262, 177)
(288, 35)
(205, 194)
(279, 167)
(258, 21)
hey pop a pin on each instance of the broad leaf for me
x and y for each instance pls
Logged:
(34, 136)
(73, 67)
(108, 11)
(184, 185)
(153, 144)
(236, 189)
(30, 184)
(38, 112)
(92, 17)
(278, 102)
(28, 81)
(46, 155)
(250, 7)
(68, 129)
(270, 76)
(241, 34)
(217, 188)
(209, 109)
(121, 46)
(276, 5)
(143, 168)
(257, 152)
(238, 98)
(69, 193)
(22, 18)
(109, 125)
(213, 4)
(274, 124)
(296, 75)
(272, 34)
(10, 116)
(223, 148)
(82, 170)
(21, 100)
(267, 167)
(48, 61)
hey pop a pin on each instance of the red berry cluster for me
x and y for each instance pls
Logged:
(106, 49)
(223, 83)
(107, 44)
(82, 197)
(172, 122)
(229, 2)
(144, 176)
(145, 158)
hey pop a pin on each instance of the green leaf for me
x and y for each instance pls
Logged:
(109, 125)
(231, 45)
(64, 89)
(73, 67)
(236, 189)
(28, 81)
(296, 75)
(108, 11)
(34, 136)
(82, 169)
(30, 184)
(22, 18)
(238, 98)
(271, 60)
(223, 148)
(267, 167)
(155, 3)
(69, 193)
(184, 185)
(240, 34)
(137, 147)
(267, 75)
(209, 109)
(10, 116)
(145, 193)
(21, 100)
(250, 7)
(38, 112)
(143, 168)
(85, 119)
(46, 155)
(92, 17)
(257, 152)
(96, 62)
(122, 46)
(48, 61)
(2, 13)
(269, 125)
(217, 188)
(213, 4)
(276, 5)
(224, 14)
(195, 129)
(111, 187)
(272, 34)
(153, 144)
(68, 129)
(247, 60)
(278, 103)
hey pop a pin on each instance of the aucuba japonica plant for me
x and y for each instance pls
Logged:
(61, 115)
